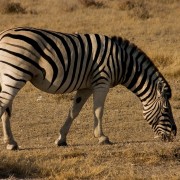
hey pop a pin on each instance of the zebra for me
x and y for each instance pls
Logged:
(89, 64)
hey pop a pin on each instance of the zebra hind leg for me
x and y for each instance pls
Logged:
(99, 96)
(10, 86)
(78, 102)
(8, 136)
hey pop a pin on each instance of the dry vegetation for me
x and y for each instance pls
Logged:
(152, 25)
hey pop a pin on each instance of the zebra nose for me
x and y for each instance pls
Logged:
(174, 129)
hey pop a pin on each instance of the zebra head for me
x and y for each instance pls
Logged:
(158, 112)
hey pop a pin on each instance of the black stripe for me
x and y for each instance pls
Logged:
(117, 65)
(150, 96)
(62, 37)
(75, 62)
(121, 64)
(23, 48)
(137, 73)
(89, 56)
(49, 41)
(154, 113)
(164, 128)
(129, 70)
(98, 40)
(130, 65)
(109, 69)
(145, 76)
(8, 75)
(103, 57)
(36, 46)
(8, 111)
(125, 60)
(4, 98)
(22, 57)
(101, 61)
(98, 81)
(114, 69)
(18, 68)
(107, 74)
(7, 93)
(149, 84)
(68, 51)
(12, 86)
(81, 62)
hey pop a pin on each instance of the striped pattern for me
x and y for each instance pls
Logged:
(87, 63)
(66, 61)
(143, 78)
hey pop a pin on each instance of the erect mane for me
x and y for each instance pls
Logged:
(124, 43)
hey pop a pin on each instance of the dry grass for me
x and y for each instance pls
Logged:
(8, 7)
(91, 3)
(93, 162)
(135, 9)
(154, 27)
(134, 154)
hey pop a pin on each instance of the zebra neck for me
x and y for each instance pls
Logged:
(140, 77)
(135, 70)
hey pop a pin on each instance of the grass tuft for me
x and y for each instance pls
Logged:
(8, 7)
(126, 5)
(73, 155)
(69, 6)
(91, 3)
(19, 167)
(135, 9)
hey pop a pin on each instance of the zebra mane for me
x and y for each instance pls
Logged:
(124, 43)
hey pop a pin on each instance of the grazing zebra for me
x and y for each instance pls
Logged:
(87, 63)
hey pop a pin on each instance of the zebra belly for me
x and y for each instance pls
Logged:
(57, 87)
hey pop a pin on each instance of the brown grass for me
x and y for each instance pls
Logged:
(8, 7)
(135, 9)
(91, 3)
(37, 116)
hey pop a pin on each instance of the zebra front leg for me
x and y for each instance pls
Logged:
(99, 96)
(78, 102)
(8, 136)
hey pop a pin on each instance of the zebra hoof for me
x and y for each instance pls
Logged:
(60, 143)
(104, 141)
(12, 147)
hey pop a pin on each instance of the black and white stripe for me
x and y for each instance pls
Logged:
(143, 78)
(87, 63)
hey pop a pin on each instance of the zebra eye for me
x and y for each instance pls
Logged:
(160, 87)
(166, 109)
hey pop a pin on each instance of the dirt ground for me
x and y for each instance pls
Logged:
(37, 116)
